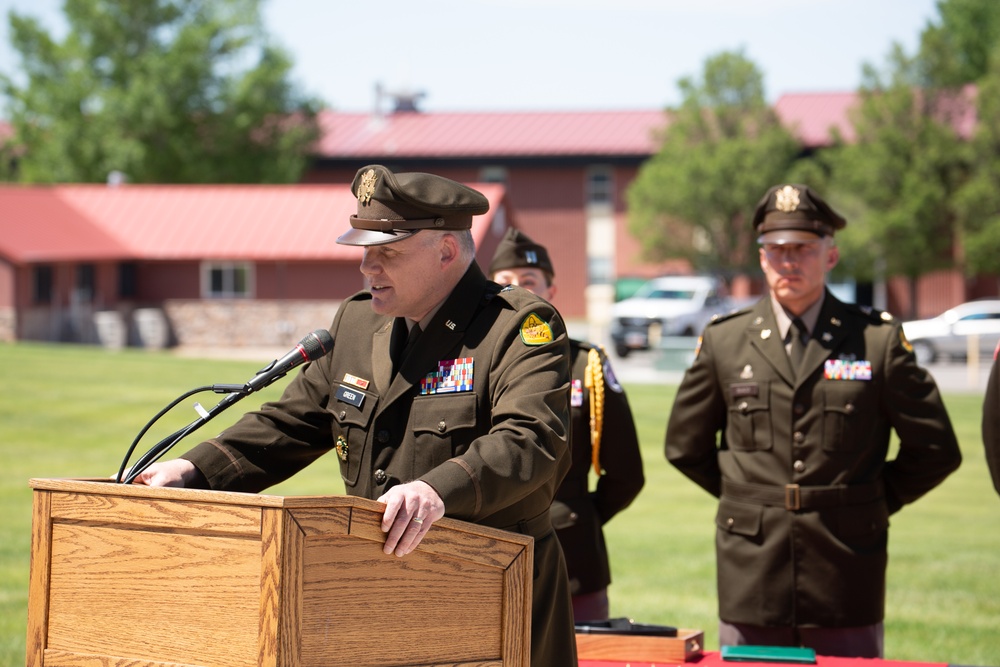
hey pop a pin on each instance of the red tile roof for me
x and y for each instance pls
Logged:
(414, 134)
(185, 222)
(811, 116)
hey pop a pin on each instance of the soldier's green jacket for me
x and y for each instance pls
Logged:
(746, 431)
(494, 451)
(580, 514)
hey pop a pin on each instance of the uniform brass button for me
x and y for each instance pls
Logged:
(799, 466)
(382, 436)
(380, 476)
(730, 522)
(743, 406)
(798, 436)
(849, 408)
(343, 414)
(442, 426)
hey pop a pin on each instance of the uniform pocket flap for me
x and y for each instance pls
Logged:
(444, 414)
(739, 518)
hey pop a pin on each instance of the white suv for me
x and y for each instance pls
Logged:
(667, 306)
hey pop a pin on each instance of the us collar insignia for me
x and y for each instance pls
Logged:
(757, 320)
(786, 199)
(827, 336)
(835, 321)
(360, 383)
(535, 331)
(367, 187)
(341, 448)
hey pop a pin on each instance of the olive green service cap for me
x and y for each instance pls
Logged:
(794, 214)
(392, 207)
(517, 251)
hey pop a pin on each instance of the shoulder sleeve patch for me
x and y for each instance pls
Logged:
(535, 331)
(904, 342)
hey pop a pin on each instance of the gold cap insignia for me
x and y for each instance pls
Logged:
(786, 199)
(367, 186)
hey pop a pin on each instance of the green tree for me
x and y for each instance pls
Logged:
(905, 165)
(977, 202)
(957, 49)
(164, 91)
(723, 148)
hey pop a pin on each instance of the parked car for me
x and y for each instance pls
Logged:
(949, 335)
(666, 306)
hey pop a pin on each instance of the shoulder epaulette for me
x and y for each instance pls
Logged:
(872, 314)
(722, 317)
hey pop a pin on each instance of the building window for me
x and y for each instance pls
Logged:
(600, 186)
(128, 285)
(85, 283)
(227, 280)
(42, 284)
(493, 174)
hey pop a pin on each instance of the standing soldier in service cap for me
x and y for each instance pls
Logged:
(468, 419)
(804, 390)
(602, 437)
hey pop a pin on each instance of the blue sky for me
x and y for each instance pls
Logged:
(558, 55)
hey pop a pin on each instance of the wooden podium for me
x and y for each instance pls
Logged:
(131, 575)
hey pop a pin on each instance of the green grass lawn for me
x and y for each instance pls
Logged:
(69, 411)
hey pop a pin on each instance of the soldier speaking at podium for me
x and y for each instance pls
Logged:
(785, 416)
(602, 437)
(444, 395)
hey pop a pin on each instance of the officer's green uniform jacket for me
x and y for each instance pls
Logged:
(579, 513)
(991, 421)
(494, 451)
(812, 554)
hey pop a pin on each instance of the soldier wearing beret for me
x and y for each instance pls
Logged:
(785, 416)
(991, 420)
(602, 437)
(470, 422)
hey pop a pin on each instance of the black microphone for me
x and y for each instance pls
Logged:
(313, 346)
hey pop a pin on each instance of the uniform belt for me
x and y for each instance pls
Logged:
(794, 497)
(537, 527)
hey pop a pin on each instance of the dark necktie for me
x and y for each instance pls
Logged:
(411, 339)
(402, 342)
(799, 339)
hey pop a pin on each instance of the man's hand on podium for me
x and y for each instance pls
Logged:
(177, 472)
(410, 509)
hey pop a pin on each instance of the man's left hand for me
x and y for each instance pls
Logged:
(410, 509)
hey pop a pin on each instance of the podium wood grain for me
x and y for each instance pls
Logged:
(129, 575)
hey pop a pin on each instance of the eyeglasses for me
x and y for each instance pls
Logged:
(777, 253)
